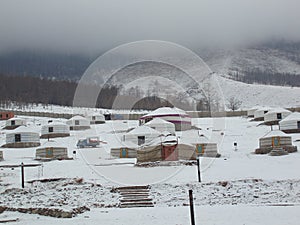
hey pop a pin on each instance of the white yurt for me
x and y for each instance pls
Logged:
(275, 140)
(290, 124)
(250, 112)
(125, 149)
(51, 150)
(178, 117)
(14, 122)
(22, 137)
(141, 135)
(161, 125)
(260, 113)
(275, 115)
(1, 156)
(78, 123)
(55, 129)
(96, 118)
(203, 146)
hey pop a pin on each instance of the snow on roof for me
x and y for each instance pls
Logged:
(158, 121)
(277, 110)
(143, 130)
(52, 144)
(166, 111)
(55, 124)
(125, 144)
(275, 133)
(264, 108)
(293, 116)
(193, 136)
(16, 118)
(22, 129)
(78, 118)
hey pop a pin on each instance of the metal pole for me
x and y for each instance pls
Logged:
(198, 167)
(192, 207)
(22, 174)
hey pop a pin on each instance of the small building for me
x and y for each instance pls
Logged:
(141, 135)
(260, 113)
(14, 122)
(290, 124)
(124, 150)
(172, 148)
(1, 156)
(22, 137)
(250, 112)
(6, 115)
(178, 117)
(51, 150)
(276, 141)
(161, 125)
(96, 118)
(54, 130)
(275, 115)
(78, 123)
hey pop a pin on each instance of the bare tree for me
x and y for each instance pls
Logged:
(234, 104)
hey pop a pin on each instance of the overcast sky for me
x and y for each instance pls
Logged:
(89, 25)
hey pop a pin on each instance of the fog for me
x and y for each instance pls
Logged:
(93, 25)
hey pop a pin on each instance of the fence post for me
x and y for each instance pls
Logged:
(22, 174)
(198, 168)
(192, 207)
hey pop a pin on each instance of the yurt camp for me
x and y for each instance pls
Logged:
(161, 125)
(1, 155)
(178, 117)
(273, 116)
(22, 137)
(14, 122)
(51, 150)
(250, 112)
(124, 150)
(290, 124)
(275, 143)
(78, 123)
(260, 113)
(54, 130)
(6, 115)
(96, 118)
(141, 135)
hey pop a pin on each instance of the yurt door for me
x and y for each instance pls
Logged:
(298, 124)
(123, 153)
(49, 152)
(169, 153)
(275, 141)
(200, 149)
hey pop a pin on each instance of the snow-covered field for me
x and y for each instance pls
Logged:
(237, 188)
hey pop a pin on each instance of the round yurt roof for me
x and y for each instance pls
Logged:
(16, 119)
(275, 133)
(143, 130)
(292, 117)
(22, 129)
(78, 118)
(158, 121)
(125, 144)
(166, 111)
(193, 136)
(277, 110)
(55, 123)
(52, 144)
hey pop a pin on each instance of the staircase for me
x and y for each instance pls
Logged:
(134, 196)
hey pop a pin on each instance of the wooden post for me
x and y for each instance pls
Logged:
(22, 174)
(198, 168)
(192, 207)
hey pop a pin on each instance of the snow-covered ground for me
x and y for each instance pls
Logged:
(237, 188)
